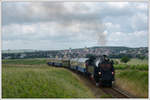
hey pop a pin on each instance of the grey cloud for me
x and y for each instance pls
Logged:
(37, 12)
(90, 25)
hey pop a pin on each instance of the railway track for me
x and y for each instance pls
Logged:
(115, 93)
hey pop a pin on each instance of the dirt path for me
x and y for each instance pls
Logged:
(97, 92)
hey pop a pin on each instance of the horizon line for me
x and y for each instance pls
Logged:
(76, 48)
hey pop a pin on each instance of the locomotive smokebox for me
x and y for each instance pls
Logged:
(96, 60)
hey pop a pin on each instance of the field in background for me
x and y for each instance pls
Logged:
(136, 64)
(25, 61)
(33, 79)
(134, 61)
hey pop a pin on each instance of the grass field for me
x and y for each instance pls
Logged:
(134, 81)
(29, 78)
(135, 64)
(138, 62)
(25, 61)
(41, 81)
(134, 61)
(143, 67)
(133, 76)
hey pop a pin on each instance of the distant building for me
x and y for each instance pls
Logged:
(8, 57)
(70, 50)
(124, 51)
(139, 52)
(22, 55)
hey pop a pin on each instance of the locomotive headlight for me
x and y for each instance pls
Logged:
(99, 73)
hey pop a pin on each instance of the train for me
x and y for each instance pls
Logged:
(99, 69)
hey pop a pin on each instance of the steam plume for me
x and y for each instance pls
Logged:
(81, 20)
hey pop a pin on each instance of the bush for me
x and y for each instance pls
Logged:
(125, 59)
(116, 62)
(141, 57)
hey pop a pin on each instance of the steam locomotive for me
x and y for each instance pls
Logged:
(98, 68)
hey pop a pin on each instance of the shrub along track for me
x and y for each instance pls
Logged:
(99, 92)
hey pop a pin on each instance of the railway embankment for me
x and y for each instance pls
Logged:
(134, 82)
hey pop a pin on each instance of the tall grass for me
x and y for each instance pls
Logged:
(133, 81)
(41, 82)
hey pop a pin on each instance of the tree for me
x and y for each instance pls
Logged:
(125, 59)
(141, 57)
(89, 55)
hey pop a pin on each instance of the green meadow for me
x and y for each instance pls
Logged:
(34, 79)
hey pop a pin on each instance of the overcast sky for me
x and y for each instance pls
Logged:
(51, 26)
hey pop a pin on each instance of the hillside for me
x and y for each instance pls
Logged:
(113, 52)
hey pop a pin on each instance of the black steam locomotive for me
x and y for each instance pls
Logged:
(97, 68)
(101, 70)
